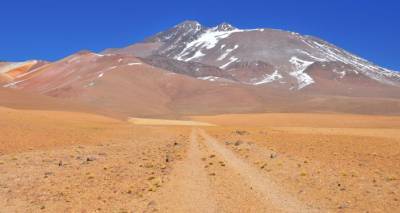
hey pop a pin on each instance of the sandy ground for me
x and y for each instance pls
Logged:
(338, 163)
(164, 122)
(76, 162)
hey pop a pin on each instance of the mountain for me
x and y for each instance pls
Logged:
(125, 85)
(260, 57)
(16, 71)
(192, 69)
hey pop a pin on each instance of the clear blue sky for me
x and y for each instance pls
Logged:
(52, 29)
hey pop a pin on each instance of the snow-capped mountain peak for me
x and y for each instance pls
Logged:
(189, 26)
(224, 27)
(264, 56)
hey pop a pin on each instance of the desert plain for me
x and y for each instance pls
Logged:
(68, 161)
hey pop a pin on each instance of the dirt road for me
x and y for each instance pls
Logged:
(213, 179)
(189, 190)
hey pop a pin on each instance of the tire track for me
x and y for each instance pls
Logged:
(189, 189)
(269, 191)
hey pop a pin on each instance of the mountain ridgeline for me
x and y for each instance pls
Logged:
(193, 69)
(258, 56)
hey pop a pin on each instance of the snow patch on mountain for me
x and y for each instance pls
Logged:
(134, 63)
(331, 53)
(227, 52)
(303, 79)
(311, 56)
(209, 78)
(198, 54)
(207, 40)
(269, 78)
(340, 73)
(231, 60)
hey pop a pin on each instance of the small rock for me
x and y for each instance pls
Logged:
(88, 159)
(151, 203)
(237, 143)
(168, 158)
(148, 165)
(48, 173)
(343, 206)
(241, 132)
(391, 178)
